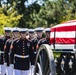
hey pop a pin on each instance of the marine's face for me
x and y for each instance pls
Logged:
(39, 34)
(47, 34)
(16, 34)
(31, 35)
(23, 35)
(7, 33)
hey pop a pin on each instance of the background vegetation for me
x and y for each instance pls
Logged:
(45, 13)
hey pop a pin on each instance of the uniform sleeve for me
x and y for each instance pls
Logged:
(38, 44)
(12, 52)
(6, 51)
(0, 43)
(31, 54)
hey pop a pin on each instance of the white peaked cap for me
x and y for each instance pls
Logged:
(31, 30)
(7, 28)
(23, 29)
(47, 29)
(39, 29)
(15, 29)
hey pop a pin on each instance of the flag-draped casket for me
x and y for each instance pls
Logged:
(63, 36)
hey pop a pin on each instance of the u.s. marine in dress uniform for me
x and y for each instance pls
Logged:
(45, 40)
(22, 54)
(15, 35)
(7, 31)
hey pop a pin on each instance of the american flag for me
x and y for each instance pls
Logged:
(64, 35)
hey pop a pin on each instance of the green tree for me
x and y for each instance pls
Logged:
(10, 19)
(45, 14)
(54, 12)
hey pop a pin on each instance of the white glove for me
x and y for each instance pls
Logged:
(32, 68)
(5, 64)
(11, 65)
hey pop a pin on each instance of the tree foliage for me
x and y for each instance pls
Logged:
(43, 13)
(9, 17)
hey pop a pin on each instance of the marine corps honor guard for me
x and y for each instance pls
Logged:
(22, 54)
(7, 31)
(7, 48)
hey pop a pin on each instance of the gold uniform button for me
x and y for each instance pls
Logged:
(23, 53)
(23, 48)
